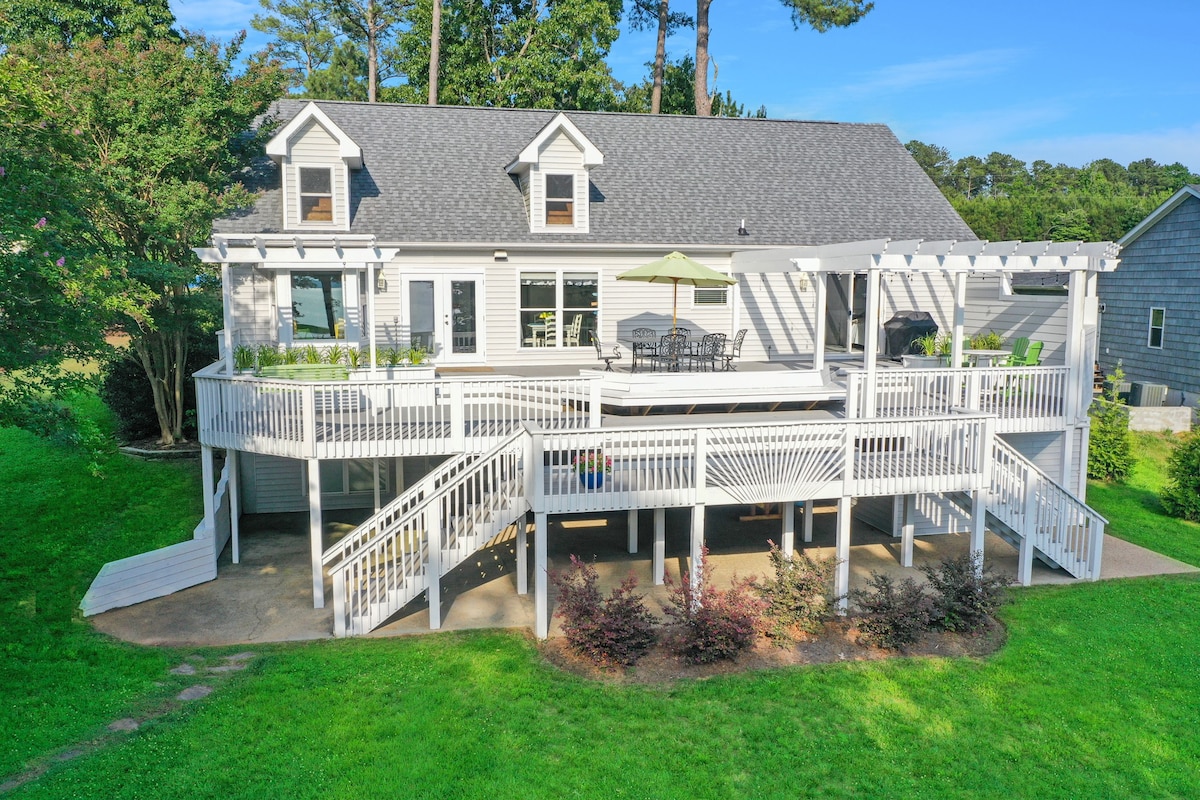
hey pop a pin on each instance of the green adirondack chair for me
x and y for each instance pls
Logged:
(1020, 348)
(1033, 356)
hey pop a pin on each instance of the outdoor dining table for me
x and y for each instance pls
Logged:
(692, 342)
(991, 356)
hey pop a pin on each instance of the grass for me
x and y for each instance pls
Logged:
(60, 678)
(1133, 508)
(1095, 695)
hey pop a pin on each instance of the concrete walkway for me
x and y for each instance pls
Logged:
(268, 596)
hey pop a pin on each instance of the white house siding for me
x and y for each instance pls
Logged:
(1045, 450)
(271, 484)
(778, 311)
(312, 146)
(252, 303)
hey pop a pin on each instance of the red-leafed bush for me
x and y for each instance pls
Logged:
(616, 630)
(713, 624)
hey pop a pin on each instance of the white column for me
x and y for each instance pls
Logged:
(227, 317)
(907, 531)
(633, 530)
(808, 519)
(372, 280)
(208, 488)
(315, 532)
(871, 341)
(660, 545)
(820, 302)
(433, 565)
(235, 507)
(841, 582)
(540, 582)
(522, 557)
(787, 537)
(978, 513)
(960, 317)
(697, 542)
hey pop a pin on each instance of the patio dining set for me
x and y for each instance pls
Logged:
(680, 348)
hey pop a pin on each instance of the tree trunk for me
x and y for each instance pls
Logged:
(703, 101)
(372, 52)
(660, 56)
(435, 50)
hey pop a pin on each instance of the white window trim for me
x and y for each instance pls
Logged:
(341, 205)
(582, 211)
(1162, 328)
(572, 199)
(559, 309)
(352, 285)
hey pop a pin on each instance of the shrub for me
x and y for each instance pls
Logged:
(1181, 496)
(617, 630)
(893, 616)
(713, 624)
(966, 593)
(126, 390)
(1110, 450)
(799, 595)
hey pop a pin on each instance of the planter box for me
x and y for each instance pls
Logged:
(921, 362)
(421, 372)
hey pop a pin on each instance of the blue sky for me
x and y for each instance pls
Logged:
(1063, 80)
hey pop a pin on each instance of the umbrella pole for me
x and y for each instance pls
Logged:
(675, 305)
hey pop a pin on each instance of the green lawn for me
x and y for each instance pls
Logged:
(1133, 509)
(1096, 695)
(61, 524)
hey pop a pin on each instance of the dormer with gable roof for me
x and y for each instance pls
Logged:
(315, 157)
(552, 171)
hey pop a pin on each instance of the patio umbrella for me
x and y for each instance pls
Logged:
(676, 268)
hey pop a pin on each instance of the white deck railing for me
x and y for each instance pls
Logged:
(1023, 399)
(388, 563)
(680, 465)
(382, 419)
(1054, 521)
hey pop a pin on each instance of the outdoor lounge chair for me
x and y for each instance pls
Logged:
(1033, 356)
(1020, 347)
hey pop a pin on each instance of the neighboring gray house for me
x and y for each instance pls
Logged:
(1150, 308)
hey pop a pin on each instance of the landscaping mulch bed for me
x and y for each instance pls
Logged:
(837, 642)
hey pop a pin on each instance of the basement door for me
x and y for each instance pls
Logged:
(443, 316)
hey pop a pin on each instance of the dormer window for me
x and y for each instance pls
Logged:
(316, 194)
(560, 199)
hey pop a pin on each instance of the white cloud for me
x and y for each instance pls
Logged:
(954, 68)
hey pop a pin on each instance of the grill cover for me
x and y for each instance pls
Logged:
(902, 328)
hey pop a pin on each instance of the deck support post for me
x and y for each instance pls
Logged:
(660, 545)
(808, 519)
(208, 489)
(978, 514)
(433, 565)
(787, 536)
(540, 577)
(907, 530)
(316, 532)
(841, 582)
(633, 530)
(522, 557)
(697, 550)
(235, 507)
(1028, 531)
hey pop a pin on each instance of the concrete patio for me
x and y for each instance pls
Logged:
(268, 596)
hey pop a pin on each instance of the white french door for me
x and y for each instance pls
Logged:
(444, 313)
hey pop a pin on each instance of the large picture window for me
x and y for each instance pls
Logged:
(558, 309)
(1158, 321)
(316, 194)
(318, 306)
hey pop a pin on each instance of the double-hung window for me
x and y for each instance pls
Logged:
(558, 308)
(316, 194)
(560, 199)
(1158, 321)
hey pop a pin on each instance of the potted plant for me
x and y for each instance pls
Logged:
(243, 358)
(417, 355)
(927, 349)
(592, 466)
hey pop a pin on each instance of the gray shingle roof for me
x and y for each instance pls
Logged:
(436, 174)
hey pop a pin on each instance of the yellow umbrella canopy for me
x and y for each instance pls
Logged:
(676, 268)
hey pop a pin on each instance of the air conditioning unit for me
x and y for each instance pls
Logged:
(1147, 394)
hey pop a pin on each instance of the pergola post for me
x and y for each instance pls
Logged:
(960, 318)
(871, 341)
(841, 581)
(316, 532)
(373, 338)
(820, 303)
